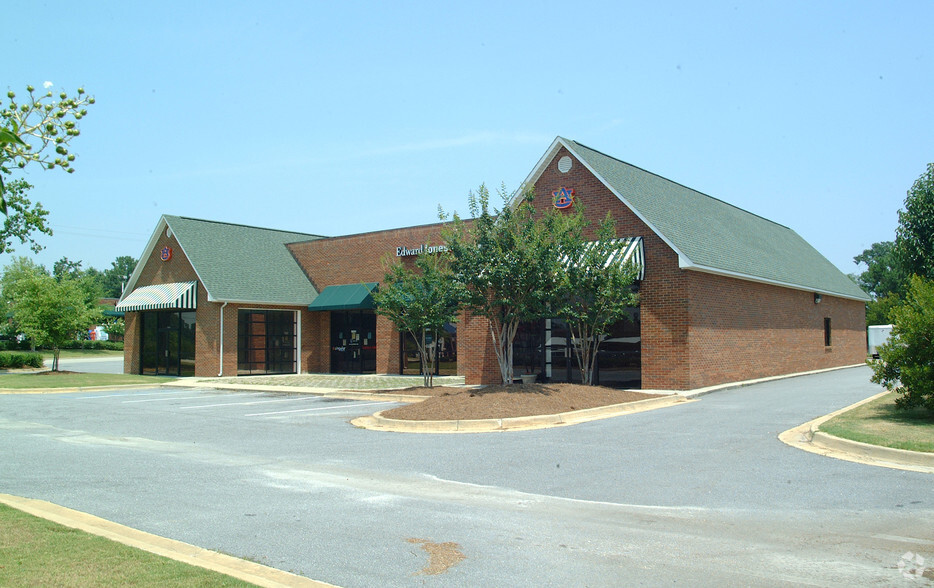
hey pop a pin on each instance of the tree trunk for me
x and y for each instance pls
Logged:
(55, 353)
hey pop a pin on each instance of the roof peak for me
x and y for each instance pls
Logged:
(661, 177)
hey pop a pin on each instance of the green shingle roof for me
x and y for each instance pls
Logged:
(239, 263)
(711, 235)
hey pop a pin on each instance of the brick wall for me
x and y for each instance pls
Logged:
(742, 330)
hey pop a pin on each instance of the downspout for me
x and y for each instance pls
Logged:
(221, 368)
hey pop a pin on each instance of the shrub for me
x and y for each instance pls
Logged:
(108, 345)
(18, 359)
(906, 362)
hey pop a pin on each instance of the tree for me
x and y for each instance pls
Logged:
(884, 274)
(906, 361)
(47, 311)
(421, 302)
(595, 290)
(117, 274)
(39, 130)
(22, 218)
(508, 262)
(914, 237)
(884, 280)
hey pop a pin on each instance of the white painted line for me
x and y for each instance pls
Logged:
(290, 399)
(130, 394)
(201, 397)
(348, 405)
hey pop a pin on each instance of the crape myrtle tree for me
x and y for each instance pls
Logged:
(420, 302)
(38, 130)
(508, 260)
(907, 359)
(595, 289)
(22, 218)
(47, 311)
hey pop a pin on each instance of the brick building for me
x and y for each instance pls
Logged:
(725, 295)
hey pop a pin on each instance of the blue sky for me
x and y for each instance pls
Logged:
(344, 117)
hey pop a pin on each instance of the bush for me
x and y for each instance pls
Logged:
(108, 345)
(907, 360)
(15, 359)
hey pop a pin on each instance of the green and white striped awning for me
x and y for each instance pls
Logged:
(177, 295)
(624, 250)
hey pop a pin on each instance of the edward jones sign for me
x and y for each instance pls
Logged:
(420, 250)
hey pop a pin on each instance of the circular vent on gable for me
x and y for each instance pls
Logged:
(564, 164)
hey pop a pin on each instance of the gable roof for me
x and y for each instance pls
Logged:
(238, 263)
(710, 235)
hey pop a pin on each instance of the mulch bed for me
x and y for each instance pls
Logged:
(496, 402)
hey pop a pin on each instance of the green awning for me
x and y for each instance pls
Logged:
(345, 297)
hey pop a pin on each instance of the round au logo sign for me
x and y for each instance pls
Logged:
(166, 254)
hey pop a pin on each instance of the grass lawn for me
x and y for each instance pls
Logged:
(880, 423)
(80, 354)
(37, 552)
(53, 380)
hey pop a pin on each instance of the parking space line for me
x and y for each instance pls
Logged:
(290, 399)
(191, 397)
(348, 405)
(130, 394)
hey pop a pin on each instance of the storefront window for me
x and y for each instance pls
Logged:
(266, 342)
(546, 348)
(446, 348)
(168, 343)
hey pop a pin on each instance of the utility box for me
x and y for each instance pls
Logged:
(876, 335)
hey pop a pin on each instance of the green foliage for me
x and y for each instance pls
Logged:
(96, 345)
(594, 291)
(47, 311)
(421, 301)
(906, 362)
(884, 274)
(19, 359)
(879, 311)
(116, 275)
(508, 262)
(22, 218)
(914, 237)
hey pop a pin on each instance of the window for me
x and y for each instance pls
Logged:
(827, 339)
(266, 342)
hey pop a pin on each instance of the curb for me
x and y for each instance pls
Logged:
(809, 438)
(197, 556)
(325, 392)
(377, 422)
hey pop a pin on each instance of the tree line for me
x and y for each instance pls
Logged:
(900, 279)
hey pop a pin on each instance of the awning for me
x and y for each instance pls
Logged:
(626, 249)
(179, 295)
(345, 297)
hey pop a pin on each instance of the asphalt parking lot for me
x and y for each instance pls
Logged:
(700, 493)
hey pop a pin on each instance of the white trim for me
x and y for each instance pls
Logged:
(221, 352)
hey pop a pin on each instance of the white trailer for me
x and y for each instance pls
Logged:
(876, 335)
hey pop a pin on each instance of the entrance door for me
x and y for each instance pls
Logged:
(168, 343)
(353, 342)
(167, 352)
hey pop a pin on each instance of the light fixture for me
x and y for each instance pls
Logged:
(817, 298)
